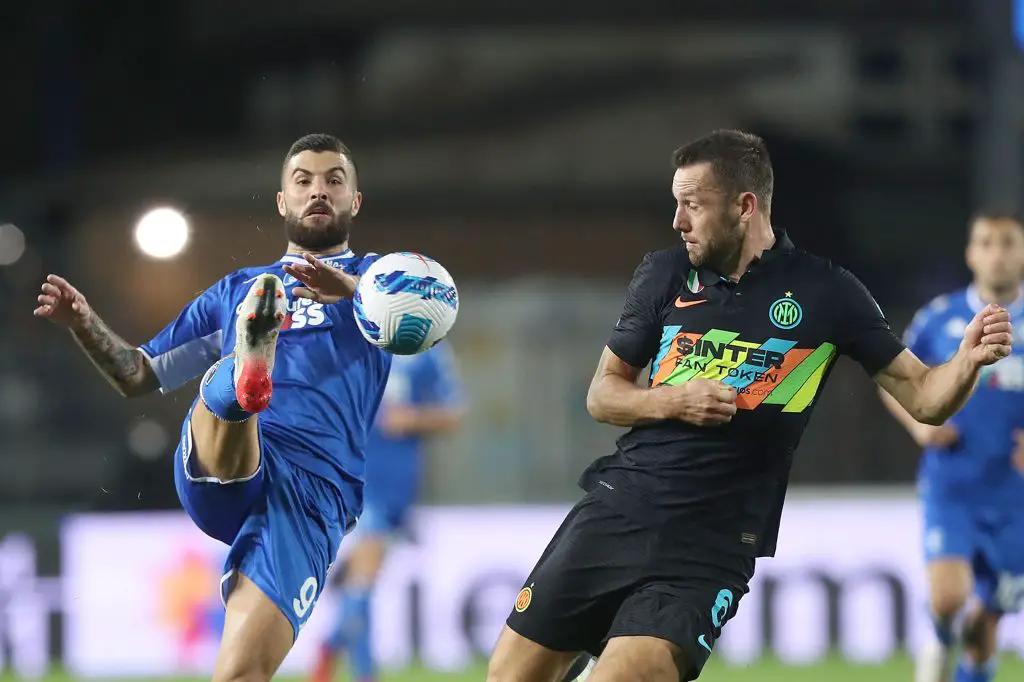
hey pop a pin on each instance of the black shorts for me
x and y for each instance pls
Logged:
(606, 575)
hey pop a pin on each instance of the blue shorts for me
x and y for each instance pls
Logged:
(284, 525)
(993, 543)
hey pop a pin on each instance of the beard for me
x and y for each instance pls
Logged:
(721, 248)
(318, 237)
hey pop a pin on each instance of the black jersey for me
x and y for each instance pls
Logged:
(774, 337)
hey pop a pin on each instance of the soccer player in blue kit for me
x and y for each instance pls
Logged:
(970, 481)
(270, 460)
(422, 399)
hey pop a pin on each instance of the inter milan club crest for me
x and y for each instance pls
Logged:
(786, 313)
(524, 598)
(693, 283)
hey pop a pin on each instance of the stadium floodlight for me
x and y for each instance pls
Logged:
(12, 244)
(162, 233)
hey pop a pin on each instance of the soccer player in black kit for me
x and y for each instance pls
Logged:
(740, 329)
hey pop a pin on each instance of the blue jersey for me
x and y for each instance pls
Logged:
(393, 464)
(978, 470)
(328, 381)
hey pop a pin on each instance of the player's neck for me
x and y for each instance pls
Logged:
(760, 238)
(329, 251)
(997, 296)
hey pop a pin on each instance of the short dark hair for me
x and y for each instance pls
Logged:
(321, 142)
(996, 215)
(739, 161)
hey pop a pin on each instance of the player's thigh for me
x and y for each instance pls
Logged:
(950, 541)
(950, 582)
(378, 526)
(518, 659)
(287, 544)
(641, 659)
(217, 507)
(256, 637)
(688, 609)
(224, 450)
(572, 595)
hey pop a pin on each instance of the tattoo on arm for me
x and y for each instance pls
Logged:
(125, 367)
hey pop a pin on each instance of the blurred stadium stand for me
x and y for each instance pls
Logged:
(528, 153)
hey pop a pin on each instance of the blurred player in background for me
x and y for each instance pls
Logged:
(279, 481)
(970, 481)
(422, 399)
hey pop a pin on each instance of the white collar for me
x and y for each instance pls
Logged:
(293, 258)
(976, 304)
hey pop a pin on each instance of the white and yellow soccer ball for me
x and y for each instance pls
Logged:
(405, 303)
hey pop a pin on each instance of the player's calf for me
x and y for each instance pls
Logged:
(225, 438)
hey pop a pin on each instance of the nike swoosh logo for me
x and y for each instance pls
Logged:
(680, 303)
(704, 643)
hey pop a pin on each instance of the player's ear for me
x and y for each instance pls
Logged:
(748, 205)
(357, 202)
(280, 204)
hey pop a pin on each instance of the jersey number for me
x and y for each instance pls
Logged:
(1010, 592)
(311, 315)
(306, 598)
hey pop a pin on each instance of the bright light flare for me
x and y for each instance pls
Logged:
(12, 244)
(162, 233)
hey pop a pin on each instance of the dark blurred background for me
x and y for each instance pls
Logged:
(524, 145)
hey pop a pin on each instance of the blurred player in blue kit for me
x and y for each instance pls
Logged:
(970, 478)
(422, 399)
(278, 480)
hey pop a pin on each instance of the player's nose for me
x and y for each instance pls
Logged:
(679, 222)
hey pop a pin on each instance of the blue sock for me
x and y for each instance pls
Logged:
(971, 672)
(217, 391)
(944, 629)
(357, 633)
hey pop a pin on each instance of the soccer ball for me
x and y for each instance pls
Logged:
(405, 303)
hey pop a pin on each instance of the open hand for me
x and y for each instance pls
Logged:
(323, 283)
(61, 303)
(988, 337)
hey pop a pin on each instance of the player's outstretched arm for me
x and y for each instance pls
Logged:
(931, 395)
(123, 366)
(615, 398)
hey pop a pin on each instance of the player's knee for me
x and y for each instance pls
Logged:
(243, 668)
(517, 658)
(947, 601)
(949, 587)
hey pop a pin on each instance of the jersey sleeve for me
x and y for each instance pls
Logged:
(187, 347)
(637, 333)
(364, 264)
(863, 334)
(918, 335)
